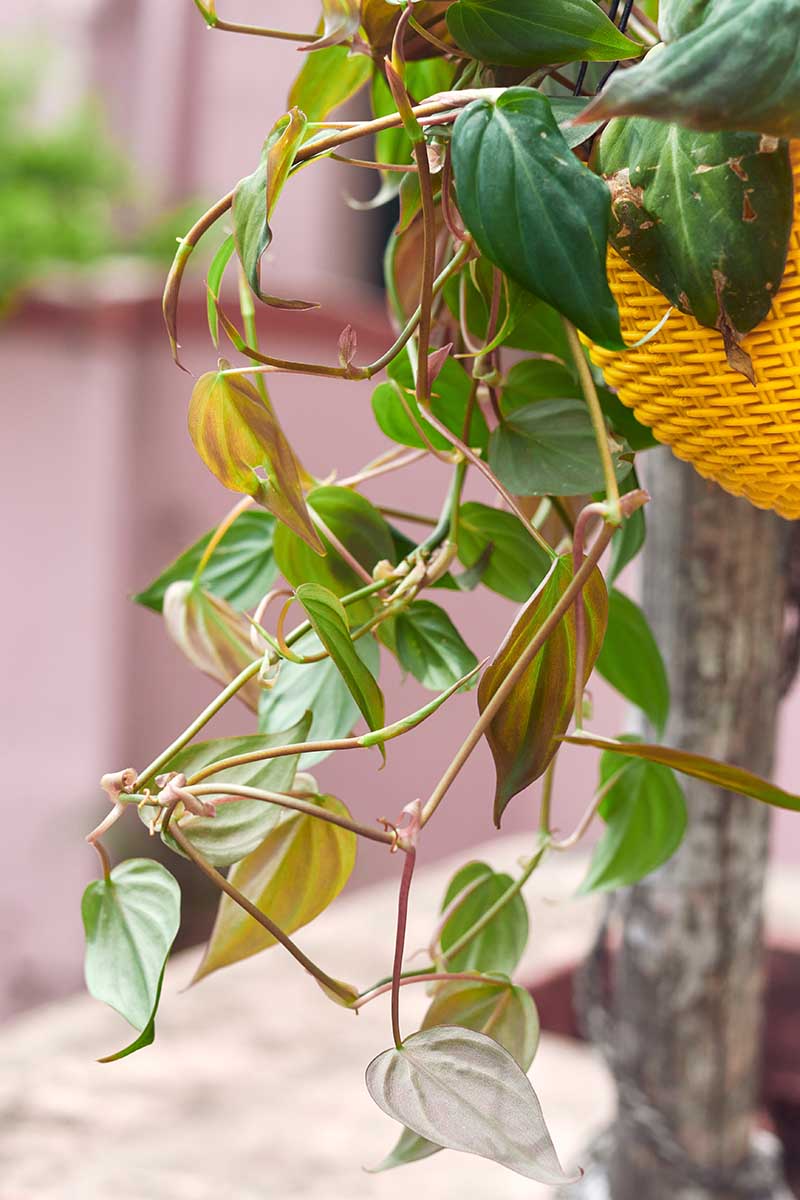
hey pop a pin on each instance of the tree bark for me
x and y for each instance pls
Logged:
(686, 1013)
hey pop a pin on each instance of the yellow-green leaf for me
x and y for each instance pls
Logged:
(523, 733)
(293, 875)
(237, 435)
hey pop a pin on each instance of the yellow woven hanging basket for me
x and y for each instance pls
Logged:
(679, 383)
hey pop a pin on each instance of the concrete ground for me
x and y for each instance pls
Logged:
(254, 1088)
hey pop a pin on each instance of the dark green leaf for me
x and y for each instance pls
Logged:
(536, 33)
(450, 394)
(510, 157)
(721, 775)
(631, 661)
(130, 921)
(329, 621)
(517, 564)
(461, 1090)
(565, 110)
(358, 526)
(241, 825)
(299, 868)
(318, 688)
(704, 217)
(527, 323)
(548, 448)
(738, 69)
(677, 17)
(495, 1007)
(430, 646)
(523, 734)
(241, 570)
(498, 947)
(328, 78)
(236, 434)
(645, 816)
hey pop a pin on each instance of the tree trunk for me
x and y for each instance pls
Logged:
(686, 1013)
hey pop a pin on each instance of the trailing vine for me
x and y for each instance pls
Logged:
(521, 137)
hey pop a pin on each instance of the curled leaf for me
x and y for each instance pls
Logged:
(213, 636)
(718, 774)
(523, 733)
(255, 197)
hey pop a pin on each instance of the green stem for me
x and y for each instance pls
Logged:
(294, 803)
(259, 31)
(598, 420)
(197, 724)
(628, 504)
(426, 977)
(248, 310)
(547, 797)
(227, 887)
(233, 687)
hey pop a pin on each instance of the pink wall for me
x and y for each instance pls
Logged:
(105, 488)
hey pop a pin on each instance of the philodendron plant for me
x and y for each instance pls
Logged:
(490, 125)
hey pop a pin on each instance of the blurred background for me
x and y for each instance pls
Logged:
(120, 121)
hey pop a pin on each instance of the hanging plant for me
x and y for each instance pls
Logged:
(484, 115)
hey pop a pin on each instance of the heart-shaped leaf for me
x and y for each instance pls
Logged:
(241, 570)
(536, 33)
(548, 448)
(238, 826)
(737, 69)
(450, 394)
(430, 646)
(236, 435)
(130, 921)
(718, 774)
(517, 564)
(293, 876)
(329, 621)
(358, 525)
(463, 1091)
(645, 816)
(631, 661)
(494, 1007)
(500, 945)
(704, 217)
(523, 734)
(213, 636)
(318, 688)
(509, 157)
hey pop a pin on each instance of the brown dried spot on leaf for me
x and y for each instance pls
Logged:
(748, 212)
(735, 165)
(622, 190)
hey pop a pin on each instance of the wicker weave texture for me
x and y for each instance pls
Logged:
(679, 383)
